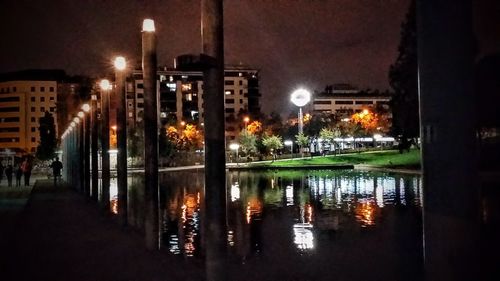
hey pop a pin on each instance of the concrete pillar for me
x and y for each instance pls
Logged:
(105, 174)
(215, 174)
(121, 139)
(94, 149)
(449, 151)
(86, 141)
(149, 67)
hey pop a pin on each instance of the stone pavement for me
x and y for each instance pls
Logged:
(60, 235)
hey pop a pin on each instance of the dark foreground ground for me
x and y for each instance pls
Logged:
(62, 236)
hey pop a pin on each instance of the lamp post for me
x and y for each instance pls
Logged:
(300, 98)
(290, 143)
(81, 149)
(235, 147)
(149, 67)
(86, 150)
(121, 137)
(94, 149)
(105, 174)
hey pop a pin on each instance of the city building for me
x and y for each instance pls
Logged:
(180, 92)
(25, 96)
(344, 99)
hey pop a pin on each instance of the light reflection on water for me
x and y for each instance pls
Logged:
(290, 211)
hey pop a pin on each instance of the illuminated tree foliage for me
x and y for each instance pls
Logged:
(254, 128)
(367, 120)
(248, 142)
(188, 138)
(272, 142)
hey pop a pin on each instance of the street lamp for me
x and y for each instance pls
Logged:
(105, 174)
(120, 134)
(290, 143)
(86, 149)
(300, 98)
(246, 120)
(235, 147)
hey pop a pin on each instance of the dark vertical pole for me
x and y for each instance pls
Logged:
(150, 135)
(94, 148)
(449, 149)
(81, 152)
(105, 149)
(121, 135)
(86, 141)
(215, 171)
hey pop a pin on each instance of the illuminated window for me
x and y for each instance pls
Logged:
(186, 87)
(229, 92)
(189, 97)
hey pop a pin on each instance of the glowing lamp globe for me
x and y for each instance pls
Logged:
(86, 107)
(148, 25)
(105, 84)
(81, 114)
(120, 63)
(234, 146)
(301, 97)
(76, 120)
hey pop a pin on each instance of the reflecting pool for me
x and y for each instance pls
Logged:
(297, 225)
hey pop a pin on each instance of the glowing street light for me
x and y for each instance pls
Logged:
(81, 114)
(120, 63)
(86, 107)
(290, 143)
(300, 98)
(105, 85)
(148, 25)
(76, 120)
(235, 147)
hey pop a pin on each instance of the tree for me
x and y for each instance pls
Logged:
(46, 150)
(165, 147)
(328, 135)
(272, 143)
(302, 141)
(403, 75)
(248, 142)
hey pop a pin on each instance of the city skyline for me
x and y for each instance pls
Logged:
(294, 43)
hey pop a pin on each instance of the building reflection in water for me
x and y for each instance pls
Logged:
(295, 212)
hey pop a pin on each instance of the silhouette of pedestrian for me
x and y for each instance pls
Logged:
(26, 167)
(19, 175)
(8, 173)
(1, 171)
(56, 166)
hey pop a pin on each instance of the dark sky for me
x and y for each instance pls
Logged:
(294, 42)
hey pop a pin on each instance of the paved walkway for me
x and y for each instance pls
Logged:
(62, 236)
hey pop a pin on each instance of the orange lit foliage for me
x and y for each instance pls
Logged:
(254, 127)
(112, 139)
(367, 119)
(185, 139)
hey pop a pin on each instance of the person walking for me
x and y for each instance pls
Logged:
(26, 167)
(19, 175)
(1, 171)
(8, 173)
(56, 169)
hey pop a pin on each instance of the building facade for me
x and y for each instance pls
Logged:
(180, 93)
(25, 96)
(343, 100)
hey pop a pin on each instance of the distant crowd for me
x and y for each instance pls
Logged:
(18, 170)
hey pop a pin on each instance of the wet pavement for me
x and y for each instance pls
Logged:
(62, 236)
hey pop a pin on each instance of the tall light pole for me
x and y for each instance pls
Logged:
(290, 143)
(235, 147)
(105, 174)
(149, 65)
(121, 137)
(94, 149)
(86, 148)
(300, 98)
(81, 149)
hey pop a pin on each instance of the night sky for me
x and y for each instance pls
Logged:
(295, 43)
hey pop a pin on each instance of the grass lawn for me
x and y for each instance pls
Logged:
(388, 158)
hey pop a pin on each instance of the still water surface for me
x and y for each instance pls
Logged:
(300, 225)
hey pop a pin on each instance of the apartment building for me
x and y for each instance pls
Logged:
(25, 96)
(180, 92)
(345, 99)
